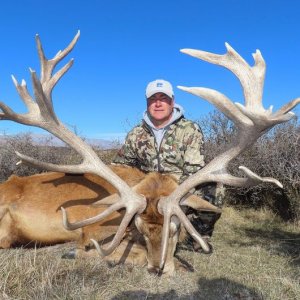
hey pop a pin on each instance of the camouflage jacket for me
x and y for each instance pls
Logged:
(180, 152)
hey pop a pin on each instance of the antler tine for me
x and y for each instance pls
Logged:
(176, 210)
(251, 78)
(43, 87)
(164, 240)
(7, 112)
(251, 120)
(23, 93)
(115, 203)
(43, 101)
(47, 66)
(222, 102)
(118, 236)
(285, 109)
(89, 221)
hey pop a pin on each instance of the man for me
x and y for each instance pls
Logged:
(166, 142)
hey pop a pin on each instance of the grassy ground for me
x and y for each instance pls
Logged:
(255, 257)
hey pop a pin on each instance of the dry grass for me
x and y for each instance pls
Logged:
(256, 257)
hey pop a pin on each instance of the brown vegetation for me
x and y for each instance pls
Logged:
(275, 154)
(256, 257)
(42, 150)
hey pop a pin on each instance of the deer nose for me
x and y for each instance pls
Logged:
(155, 270)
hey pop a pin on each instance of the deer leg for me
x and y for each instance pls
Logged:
(7, 234)
(128, 253)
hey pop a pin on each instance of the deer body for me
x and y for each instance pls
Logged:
(30, 213)
(30, 206)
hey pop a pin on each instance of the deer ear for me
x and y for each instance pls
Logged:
(199, 203)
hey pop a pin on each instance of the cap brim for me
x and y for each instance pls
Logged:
(148, 95)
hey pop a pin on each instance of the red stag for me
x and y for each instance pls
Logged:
(143, 211)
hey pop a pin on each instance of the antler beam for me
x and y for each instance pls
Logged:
(41, 114)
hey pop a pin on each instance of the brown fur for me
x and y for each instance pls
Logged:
(30, 212)
(153, 188)
(30, 206)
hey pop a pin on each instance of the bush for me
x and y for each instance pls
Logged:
(42, 150)
(276, 154)
(22, 143)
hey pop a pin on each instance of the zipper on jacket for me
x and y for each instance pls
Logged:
(159, 169)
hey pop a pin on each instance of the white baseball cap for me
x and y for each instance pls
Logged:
(159, 86)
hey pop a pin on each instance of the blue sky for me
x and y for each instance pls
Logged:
(125, 44)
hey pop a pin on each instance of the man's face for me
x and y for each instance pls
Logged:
(160, 107)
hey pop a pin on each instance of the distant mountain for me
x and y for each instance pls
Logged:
(46, 139)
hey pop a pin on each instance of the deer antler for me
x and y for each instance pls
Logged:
(251, 121)
(41, 114)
